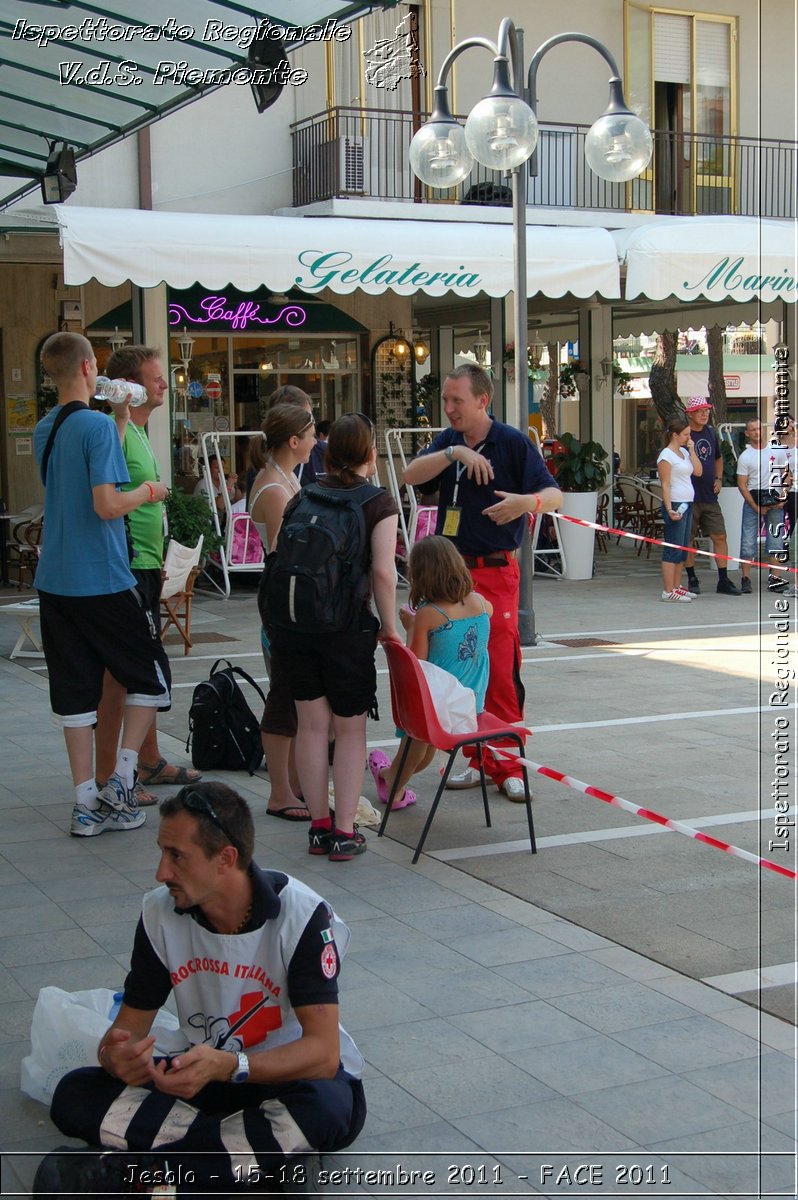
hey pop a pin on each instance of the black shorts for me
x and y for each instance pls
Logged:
(149, 583)
(279, 713)
(83, 636)
(340, 668)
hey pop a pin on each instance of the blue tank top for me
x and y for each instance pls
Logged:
(461, 647)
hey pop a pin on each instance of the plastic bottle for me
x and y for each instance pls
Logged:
(118, 998)
(117, 391)
(681, 510)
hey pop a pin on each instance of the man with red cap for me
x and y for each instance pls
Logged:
(707, 515)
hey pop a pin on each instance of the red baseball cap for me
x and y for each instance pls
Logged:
(695, 403)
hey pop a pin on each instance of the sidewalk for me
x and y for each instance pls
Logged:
(501, 1037)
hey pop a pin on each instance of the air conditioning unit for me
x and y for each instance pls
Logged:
(353, 164)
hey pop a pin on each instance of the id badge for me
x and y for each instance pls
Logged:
(451, 523)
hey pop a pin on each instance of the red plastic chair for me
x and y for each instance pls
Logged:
(414, 712)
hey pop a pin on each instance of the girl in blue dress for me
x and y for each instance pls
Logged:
(447, 623)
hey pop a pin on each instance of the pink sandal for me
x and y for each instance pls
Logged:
(378, 761)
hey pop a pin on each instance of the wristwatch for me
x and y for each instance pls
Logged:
(241, 1071)
(448, 453)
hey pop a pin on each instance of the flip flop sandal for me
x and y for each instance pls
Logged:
(153, 776)
(143, 798)
(378, 760)
(292, 812)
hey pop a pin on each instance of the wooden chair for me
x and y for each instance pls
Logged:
(414, 712)
(180, 569)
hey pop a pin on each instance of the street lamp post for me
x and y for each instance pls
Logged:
(501, 133)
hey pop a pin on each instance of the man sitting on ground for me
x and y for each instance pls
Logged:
(262, 1072)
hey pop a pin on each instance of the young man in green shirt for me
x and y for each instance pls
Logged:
(139, 364)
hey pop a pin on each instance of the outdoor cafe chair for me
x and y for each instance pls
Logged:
(653, 525)
(414, 712)
(24, 548)
(180, 569)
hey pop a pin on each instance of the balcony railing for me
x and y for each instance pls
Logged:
(361, 152)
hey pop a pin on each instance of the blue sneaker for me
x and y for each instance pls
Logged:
(89, 822)
(118, 811)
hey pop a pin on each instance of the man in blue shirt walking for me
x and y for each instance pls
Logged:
(92, 617)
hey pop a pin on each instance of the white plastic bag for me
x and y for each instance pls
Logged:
(65, 1032)
(455, 704)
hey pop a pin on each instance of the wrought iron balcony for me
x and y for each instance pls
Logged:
(363, 152)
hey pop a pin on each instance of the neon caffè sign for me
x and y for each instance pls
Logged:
(237, 314)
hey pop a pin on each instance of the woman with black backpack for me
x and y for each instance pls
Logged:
(288, 439)
(334, 551)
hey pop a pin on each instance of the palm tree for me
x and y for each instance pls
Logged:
(717, 384)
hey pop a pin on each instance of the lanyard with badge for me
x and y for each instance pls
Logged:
(451, 522)
(145, 442)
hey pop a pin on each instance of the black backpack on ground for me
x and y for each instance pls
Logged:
(316, 580)
(223, 731)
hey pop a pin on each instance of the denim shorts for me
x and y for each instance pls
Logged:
(676, 531)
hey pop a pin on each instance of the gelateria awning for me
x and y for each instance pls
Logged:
(713, 258)
(345, 255)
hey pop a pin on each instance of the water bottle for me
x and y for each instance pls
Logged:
(681, 510)
(117, 391)
(118, 998)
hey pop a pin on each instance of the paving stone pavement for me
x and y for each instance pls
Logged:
(535, 1025)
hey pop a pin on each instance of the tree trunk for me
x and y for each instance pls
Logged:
(551, 388)
(662, 380)
(717, 384)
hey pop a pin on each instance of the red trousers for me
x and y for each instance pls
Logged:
(505, 695)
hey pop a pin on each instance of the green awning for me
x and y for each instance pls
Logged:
(116, 50)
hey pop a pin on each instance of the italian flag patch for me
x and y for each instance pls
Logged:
(327, 936)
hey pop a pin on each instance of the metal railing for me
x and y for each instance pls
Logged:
(362, 152)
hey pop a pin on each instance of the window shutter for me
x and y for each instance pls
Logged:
(671, 48)
(713, 54)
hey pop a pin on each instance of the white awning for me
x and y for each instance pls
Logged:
(115, 245)
(641, 318)
(743, 258)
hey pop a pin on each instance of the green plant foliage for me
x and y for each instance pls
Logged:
(189, 517)
(581, 467)
(729, 464)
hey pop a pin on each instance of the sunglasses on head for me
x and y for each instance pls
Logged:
(196, 803)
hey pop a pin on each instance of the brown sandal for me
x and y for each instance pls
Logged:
(153, 776)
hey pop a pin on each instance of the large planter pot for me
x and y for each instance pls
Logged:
(578, 542)
(731, 505)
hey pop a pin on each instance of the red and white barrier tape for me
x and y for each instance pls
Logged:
(646, 813)
(639, 537)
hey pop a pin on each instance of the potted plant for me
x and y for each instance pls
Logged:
(581, 470)
(189, 518)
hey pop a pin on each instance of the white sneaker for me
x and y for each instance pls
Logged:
(686, 592)
(115, 794)
(678, 597)
(90, 822)
(466, 779)
(513, 789)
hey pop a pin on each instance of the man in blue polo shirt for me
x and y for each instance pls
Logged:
(490, 479)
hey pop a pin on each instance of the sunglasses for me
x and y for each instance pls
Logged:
(196, 803)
